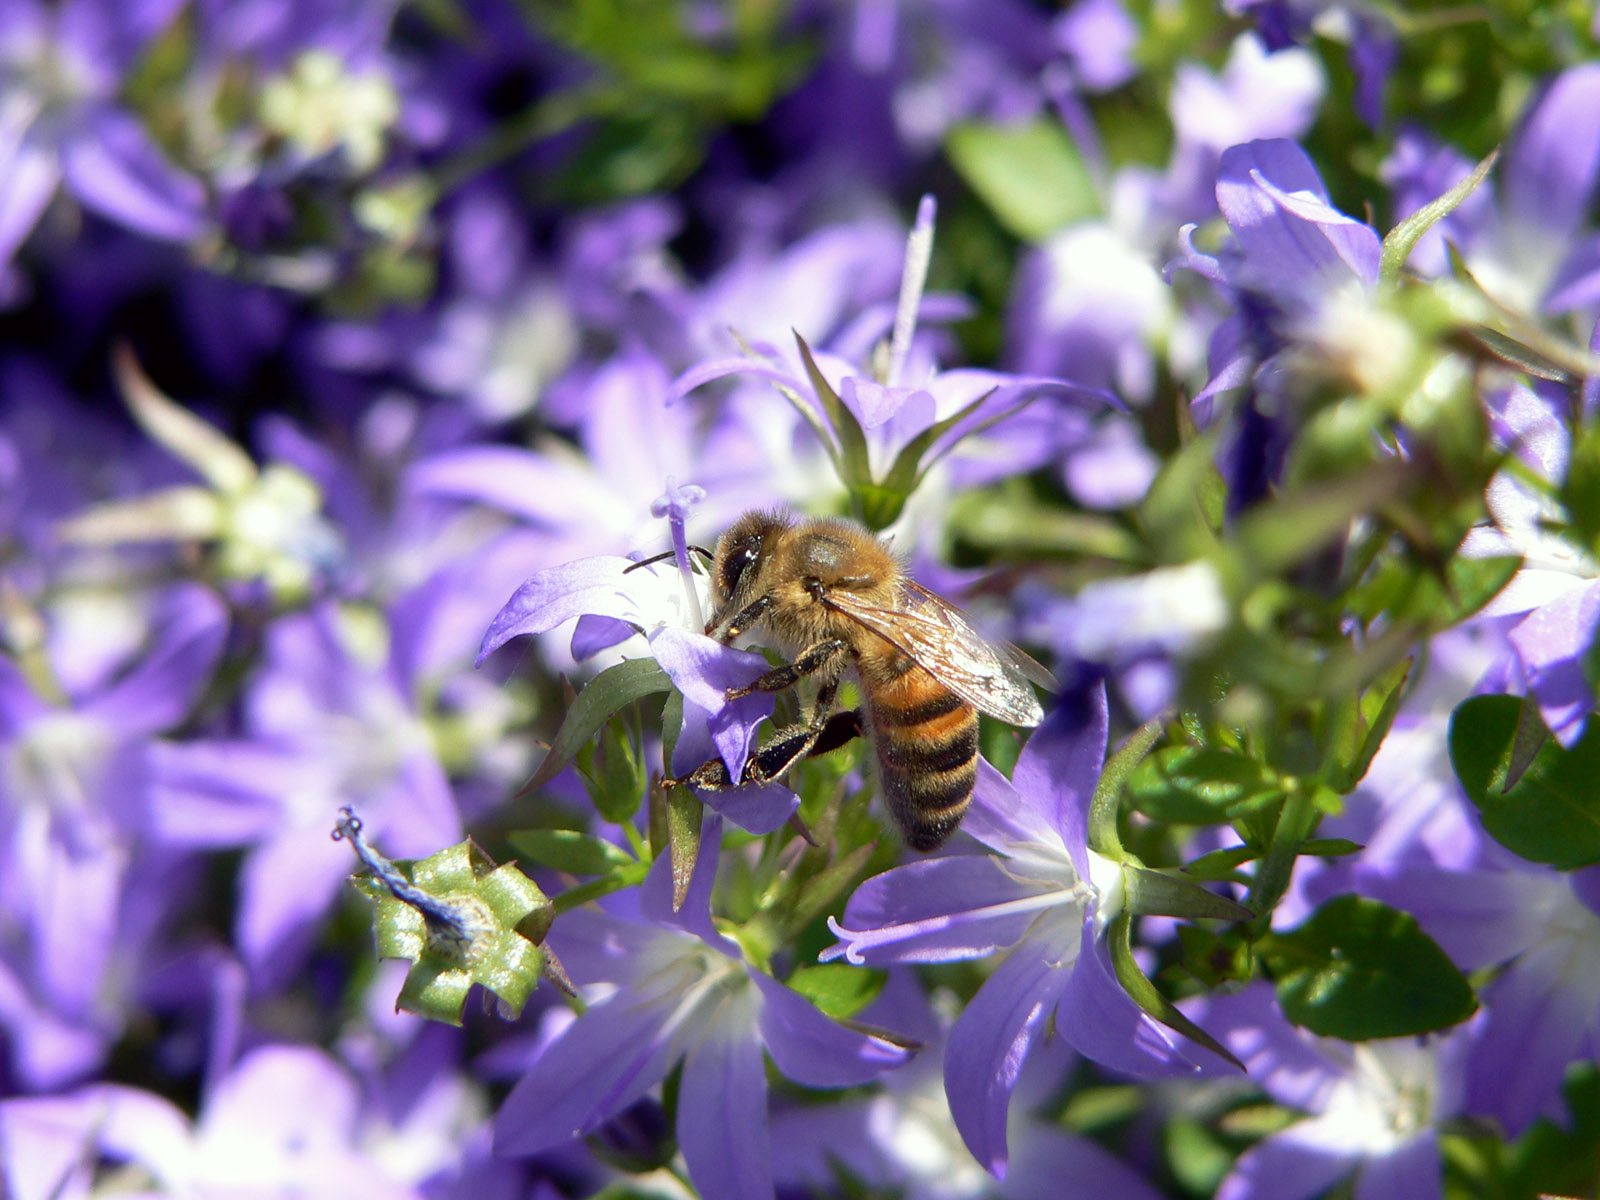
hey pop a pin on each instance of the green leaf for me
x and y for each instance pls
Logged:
(607, 693)
(1580, 490)
(1360, 727)
(1030, 175)
(571, 851)
(1551, 814)
(1103, 836)
(1144, 993)
(1198, 785)
(838, 989)
(1402, 239)
(1358, 970)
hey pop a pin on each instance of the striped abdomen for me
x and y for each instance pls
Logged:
(927, 742)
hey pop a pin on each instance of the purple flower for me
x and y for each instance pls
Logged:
(1043, 893)
(286, 1120)
(903, 1140)
(1375, 1107)
(1555, 596)
(60, 70)
(682, 993)
(658, 604)
(75, 795)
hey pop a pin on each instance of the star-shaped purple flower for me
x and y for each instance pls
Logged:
(1043, 893)
(683, 993)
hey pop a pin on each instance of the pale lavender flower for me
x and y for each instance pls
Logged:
(1375, 1108)
(1370, 36)
(1043, 893)
(681, 992)
(286, 1120)
(60, 121)
(74, 805)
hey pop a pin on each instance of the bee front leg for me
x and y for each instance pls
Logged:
(822, 656)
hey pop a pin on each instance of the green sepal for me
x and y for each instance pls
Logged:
(1120, 764)
(1403, 238)
(502, 911)
(1536, 798)
(1357, 969)
(606, 694)
(853, 459)
(1159, 894)
(1357, 727)
(1146, 996)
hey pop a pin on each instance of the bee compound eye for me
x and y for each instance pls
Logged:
(739, 560)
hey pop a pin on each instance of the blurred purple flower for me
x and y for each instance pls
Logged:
(1371, 37)
(75, 801)
(682, 993)
(286, 1120)
(1375, 1107)
(1043, 893)
(1556, 593)
(61, 68)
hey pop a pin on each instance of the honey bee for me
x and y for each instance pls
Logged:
(837, 603)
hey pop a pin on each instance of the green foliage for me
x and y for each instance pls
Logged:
(1536, 798)
(1357, 969)
(1031, 175)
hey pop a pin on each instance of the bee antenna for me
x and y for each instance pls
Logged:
(662, 557)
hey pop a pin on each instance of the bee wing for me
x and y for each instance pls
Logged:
(933, 632)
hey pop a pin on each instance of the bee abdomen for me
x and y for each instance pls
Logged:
(927, 763)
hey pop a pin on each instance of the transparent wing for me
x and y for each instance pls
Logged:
(994, 679)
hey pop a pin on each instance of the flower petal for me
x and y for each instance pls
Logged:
(159, 690)
(989, 1042)
(593, 1068)
(722, 1118)
(1286, 1166)
(114, 167)
(1411, 1172)
(933, 910)
(1103, 1023)
(601, 586)
(814, 1050)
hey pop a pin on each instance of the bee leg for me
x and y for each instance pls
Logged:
(820, 734)
(815, 658)
(741, 620)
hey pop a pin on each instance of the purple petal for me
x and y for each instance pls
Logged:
(112, 166)
(1065, 756)
(934, 910)
(596, 1066)
(536, 487)
(1280, 1059)
(704, 670)
(1577, 282)
(46, 1144)
(1103, 1023)
(722, 1118)
(160, 689)
(289, 1098)
(989, 1042)
(655, 894)
(1549, 174)
(1286, 1167)
(1552, 642)
(596, 586)
(1536, 1026)
(19, 704)
(1292, 239)
(814, 1050)
(1412, 1172)
(28, 178)
(1048, 1156)
(285, 887)
(1479, 918)
(719, 368)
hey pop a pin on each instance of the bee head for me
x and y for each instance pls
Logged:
(735, 566)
